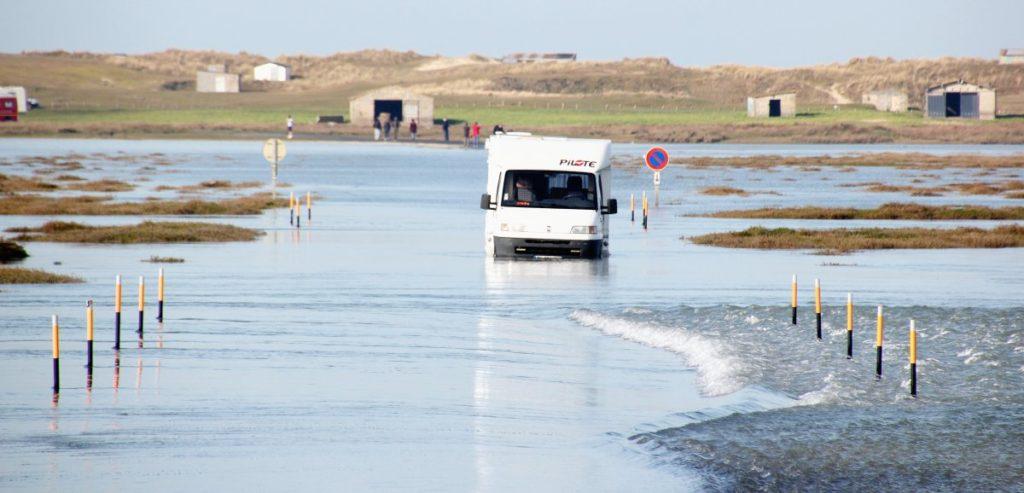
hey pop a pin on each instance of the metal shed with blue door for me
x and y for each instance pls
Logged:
(960, 99)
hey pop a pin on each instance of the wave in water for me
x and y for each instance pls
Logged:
(717, 372)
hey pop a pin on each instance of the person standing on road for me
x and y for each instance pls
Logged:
(376, 129)
(465, 134)
(444, 128)
(387, 129)
(291, 126)
(413, 127)
(397, 125)
(476, 134)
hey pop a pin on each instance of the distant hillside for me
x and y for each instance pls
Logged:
(724, 86)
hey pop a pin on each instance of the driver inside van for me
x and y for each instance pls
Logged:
(524, 192)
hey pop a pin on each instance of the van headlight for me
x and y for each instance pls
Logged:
(583, 230)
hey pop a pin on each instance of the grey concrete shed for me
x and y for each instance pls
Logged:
(773, 106)
(890, 100)
(959, 99)
(397, 103)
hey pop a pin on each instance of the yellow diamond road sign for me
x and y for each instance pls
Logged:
(273, 150)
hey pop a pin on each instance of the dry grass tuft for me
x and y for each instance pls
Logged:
(12, 183)
(20, 275)
(890, 211)
(212, 185)
(848, 240)
(145, 232)
(102, 186)
(36, 205)
(718, 191)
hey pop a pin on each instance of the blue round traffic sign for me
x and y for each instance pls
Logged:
(656, 158)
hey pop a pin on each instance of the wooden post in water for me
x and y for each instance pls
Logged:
(89, 322)
(291, 207)
(880, 328)
(117, 313)
(56, 356)
(913, 359)
(298, 213)
(160, 295)
(817, 306)
(309, 205)
(849, 325)
(792, 298)
(142, 305)
(632, 208)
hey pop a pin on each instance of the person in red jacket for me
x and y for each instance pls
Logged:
(413, 127)
(475, 132)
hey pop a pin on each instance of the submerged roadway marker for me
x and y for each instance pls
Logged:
(117, 312)
(817, 306)
(89, 319)
(849, 325)
(878, 342)
(160, 295)
(142, 305)
(56, 357)
(792, 298)
(913, 359)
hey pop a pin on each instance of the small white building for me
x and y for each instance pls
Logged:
(272, 71)
(19, 93)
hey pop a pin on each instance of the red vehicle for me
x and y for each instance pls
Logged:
(8, 109)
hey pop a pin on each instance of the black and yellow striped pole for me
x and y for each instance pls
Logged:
(142, 305)
(298, 214)
(817, 306)
(913, 359)
(644, 206)
(160, 295)
(879, 330)
(291, 207)
(56, 356)
(792, 298)
(849, 325)
(89, 323)
(309, 205)
(117, 313)
(632, 208)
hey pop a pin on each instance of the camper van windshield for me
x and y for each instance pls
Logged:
(549, 189)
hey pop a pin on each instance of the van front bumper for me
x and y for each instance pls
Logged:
(531, 247)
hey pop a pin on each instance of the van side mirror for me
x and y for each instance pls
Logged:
(612, 208)
(485, 202)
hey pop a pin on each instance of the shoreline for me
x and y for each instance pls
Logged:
(984, 133)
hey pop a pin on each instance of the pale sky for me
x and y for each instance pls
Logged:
(689, 32)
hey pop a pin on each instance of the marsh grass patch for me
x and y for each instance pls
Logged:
(145, 232)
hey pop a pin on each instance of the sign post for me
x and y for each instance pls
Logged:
(274, 151)
(656, 159)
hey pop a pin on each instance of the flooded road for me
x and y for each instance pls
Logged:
(377, 348)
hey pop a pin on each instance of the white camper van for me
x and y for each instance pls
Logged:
(547, 196)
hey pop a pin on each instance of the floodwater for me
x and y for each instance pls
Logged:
(376, 348)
